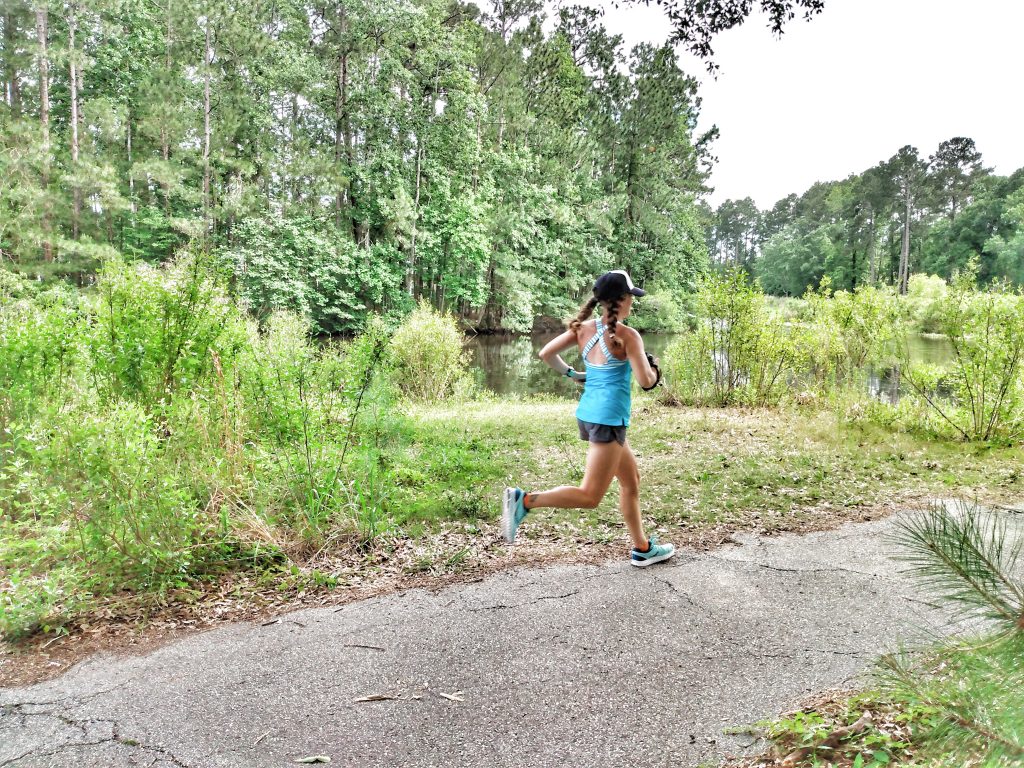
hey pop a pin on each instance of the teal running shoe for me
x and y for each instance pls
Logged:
(512, 512)
(655, 553)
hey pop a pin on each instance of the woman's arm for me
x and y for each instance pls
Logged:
(645, 374)
(552, 353)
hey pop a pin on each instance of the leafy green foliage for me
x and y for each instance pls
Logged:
(740, 352)
(428, 361)
(298, 265)
(352, 159)
(153, 434)
(664, 310)
(923, 299)
(153, 332)
(851, 330)
(986, 330)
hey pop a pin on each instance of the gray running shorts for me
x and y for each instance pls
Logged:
(601, 433)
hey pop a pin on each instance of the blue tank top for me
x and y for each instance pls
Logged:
(606, 392)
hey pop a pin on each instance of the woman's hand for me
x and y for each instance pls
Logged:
(653, 362)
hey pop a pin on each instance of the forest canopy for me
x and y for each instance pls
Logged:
(342, 158)
(907, 214)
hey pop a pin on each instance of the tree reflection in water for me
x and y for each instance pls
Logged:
(508, 365)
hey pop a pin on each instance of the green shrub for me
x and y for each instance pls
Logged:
(981, 395)
(428, 359)
(39, 345)
(135, 520)
(151, 331)
(299, 265)
(14, 286)
(38, 602)
(851, 331)
(740, 353)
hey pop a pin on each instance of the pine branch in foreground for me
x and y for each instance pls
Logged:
(967, 699)
(968, 557)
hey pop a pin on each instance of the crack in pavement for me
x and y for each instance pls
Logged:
(75, 699)
(502, 606)
(82, 725)
(782, 569)
(680, 593)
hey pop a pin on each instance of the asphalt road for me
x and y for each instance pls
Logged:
(581, 666)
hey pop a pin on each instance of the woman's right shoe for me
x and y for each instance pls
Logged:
(512, 512)
(655, 553)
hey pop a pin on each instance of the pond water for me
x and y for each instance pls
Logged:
(508, 365)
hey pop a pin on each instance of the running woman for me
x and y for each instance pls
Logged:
(611, 353)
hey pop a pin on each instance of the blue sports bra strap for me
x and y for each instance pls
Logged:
(589, 346)
(604, 347)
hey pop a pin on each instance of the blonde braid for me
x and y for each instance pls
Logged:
(613, 321)
(585, 311)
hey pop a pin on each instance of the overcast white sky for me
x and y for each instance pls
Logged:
(842, 92)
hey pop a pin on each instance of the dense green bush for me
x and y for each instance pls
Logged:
(428, 359)
(40, 340)
(299, 265)
(849, 331)
(151, 332)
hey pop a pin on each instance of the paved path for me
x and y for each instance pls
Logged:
(578, 666)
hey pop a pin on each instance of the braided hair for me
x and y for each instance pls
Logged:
(585, 311)
(613, 321)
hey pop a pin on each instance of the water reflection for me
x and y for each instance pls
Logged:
(884, 384)
(508, 365)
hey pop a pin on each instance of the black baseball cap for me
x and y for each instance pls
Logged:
(612, 285)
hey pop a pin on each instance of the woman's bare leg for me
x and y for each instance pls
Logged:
(602, 463)
(628, 475)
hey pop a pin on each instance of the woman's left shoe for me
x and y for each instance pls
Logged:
(655, 553)
(512, 512)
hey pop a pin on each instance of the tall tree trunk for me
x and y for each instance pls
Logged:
(296, 186)
(131, 175)
(339, 195)
(44, 118)
(872, 268)
(73, 61)
(905, 249)
(411, 271)
(345, 196)
(13, 87)
(165, 146)
(207, 60)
